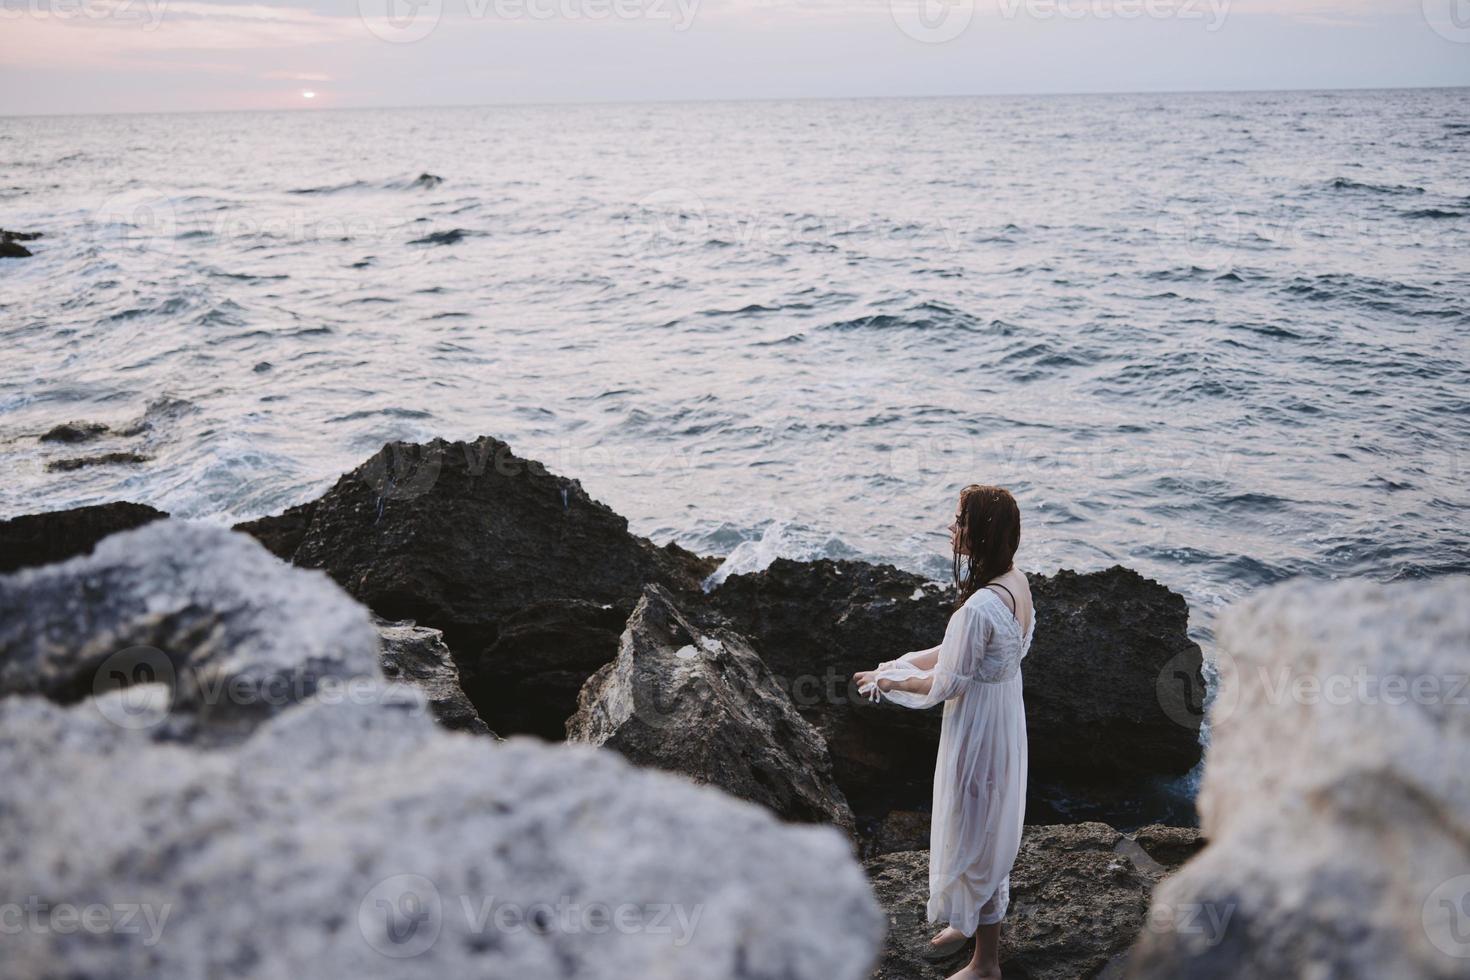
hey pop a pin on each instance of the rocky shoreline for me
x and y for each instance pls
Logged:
(502, 600)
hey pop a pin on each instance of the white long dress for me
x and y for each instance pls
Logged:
(980, 775)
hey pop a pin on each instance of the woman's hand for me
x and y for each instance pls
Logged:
(868, 683)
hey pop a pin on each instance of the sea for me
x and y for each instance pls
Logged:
(1218, 338)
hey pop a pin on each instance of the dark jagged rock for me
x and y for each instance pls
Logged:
(227, 633)
(418, 655)
(698, 701)
(10, 247)
(76, 463)
(1079, 896)
(815, 624)
(74, 432)
(428, 181)
(40, 539)
(282, 533)
(900, 830)
(1095, 718)
(473, 540)
(1113, 679)
(529, 678)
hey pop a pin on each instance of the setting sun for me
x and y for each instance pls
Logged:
(308, 95)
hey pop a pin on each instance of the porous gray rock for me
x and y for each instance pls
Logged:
(697, 700)
(1334, 796)
(360, 840)
(418, 655)
(1079, 896)
(233, 633)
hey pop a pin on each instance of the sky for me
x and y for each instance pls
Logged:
(77, 56)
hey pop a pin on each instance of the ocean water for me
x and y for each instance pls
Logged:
(1218, 338)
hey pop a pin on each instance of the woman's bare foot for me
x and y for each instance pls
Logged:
(973, 972)
(947, 936)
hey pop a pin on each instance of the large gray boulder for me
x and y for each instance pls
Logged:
(698, 701)
(1335, 795)
(232, 633)
(359, 839)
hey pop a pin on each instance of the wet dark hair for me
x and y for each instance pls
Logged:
(990, 525)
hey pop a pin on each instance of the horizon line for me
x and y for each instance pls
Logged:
(551, 103)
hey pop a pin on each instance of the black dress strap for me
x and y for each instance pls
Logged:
(1014, 607)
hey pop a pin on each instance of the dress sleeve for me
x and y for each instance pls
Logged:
(964, 644)
(909, 658)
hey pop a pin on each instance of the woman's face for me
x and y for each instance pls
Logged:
(957, 530)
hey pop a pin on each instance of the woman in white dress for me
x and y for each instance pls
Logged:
(980, 775)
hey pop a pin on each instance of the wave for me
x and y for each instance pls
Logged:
(424, 182)
(1346, 184)
(450, 237)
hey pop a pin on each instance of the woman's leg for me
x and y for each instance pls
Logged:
(985, 964)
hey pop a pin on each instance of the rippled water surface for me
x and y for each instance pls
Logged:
(1219, 338)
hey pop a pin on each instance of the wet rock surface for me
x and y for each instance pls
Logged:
(10, 247)
(74, 432)
(101, 459)
(1079, 895)
(699, 701)
(1335, 799)
(40, 539)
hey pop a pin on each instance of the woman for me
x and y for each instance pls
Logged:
(980, 776)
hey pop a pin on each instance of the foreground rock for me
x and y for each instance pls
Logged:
(1335, 797)
(1079, 896)
(700, 702)
(354, 840)
(1097, 723)
(466, 537)
(40, 539)
(232, 634)
(417, 654)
